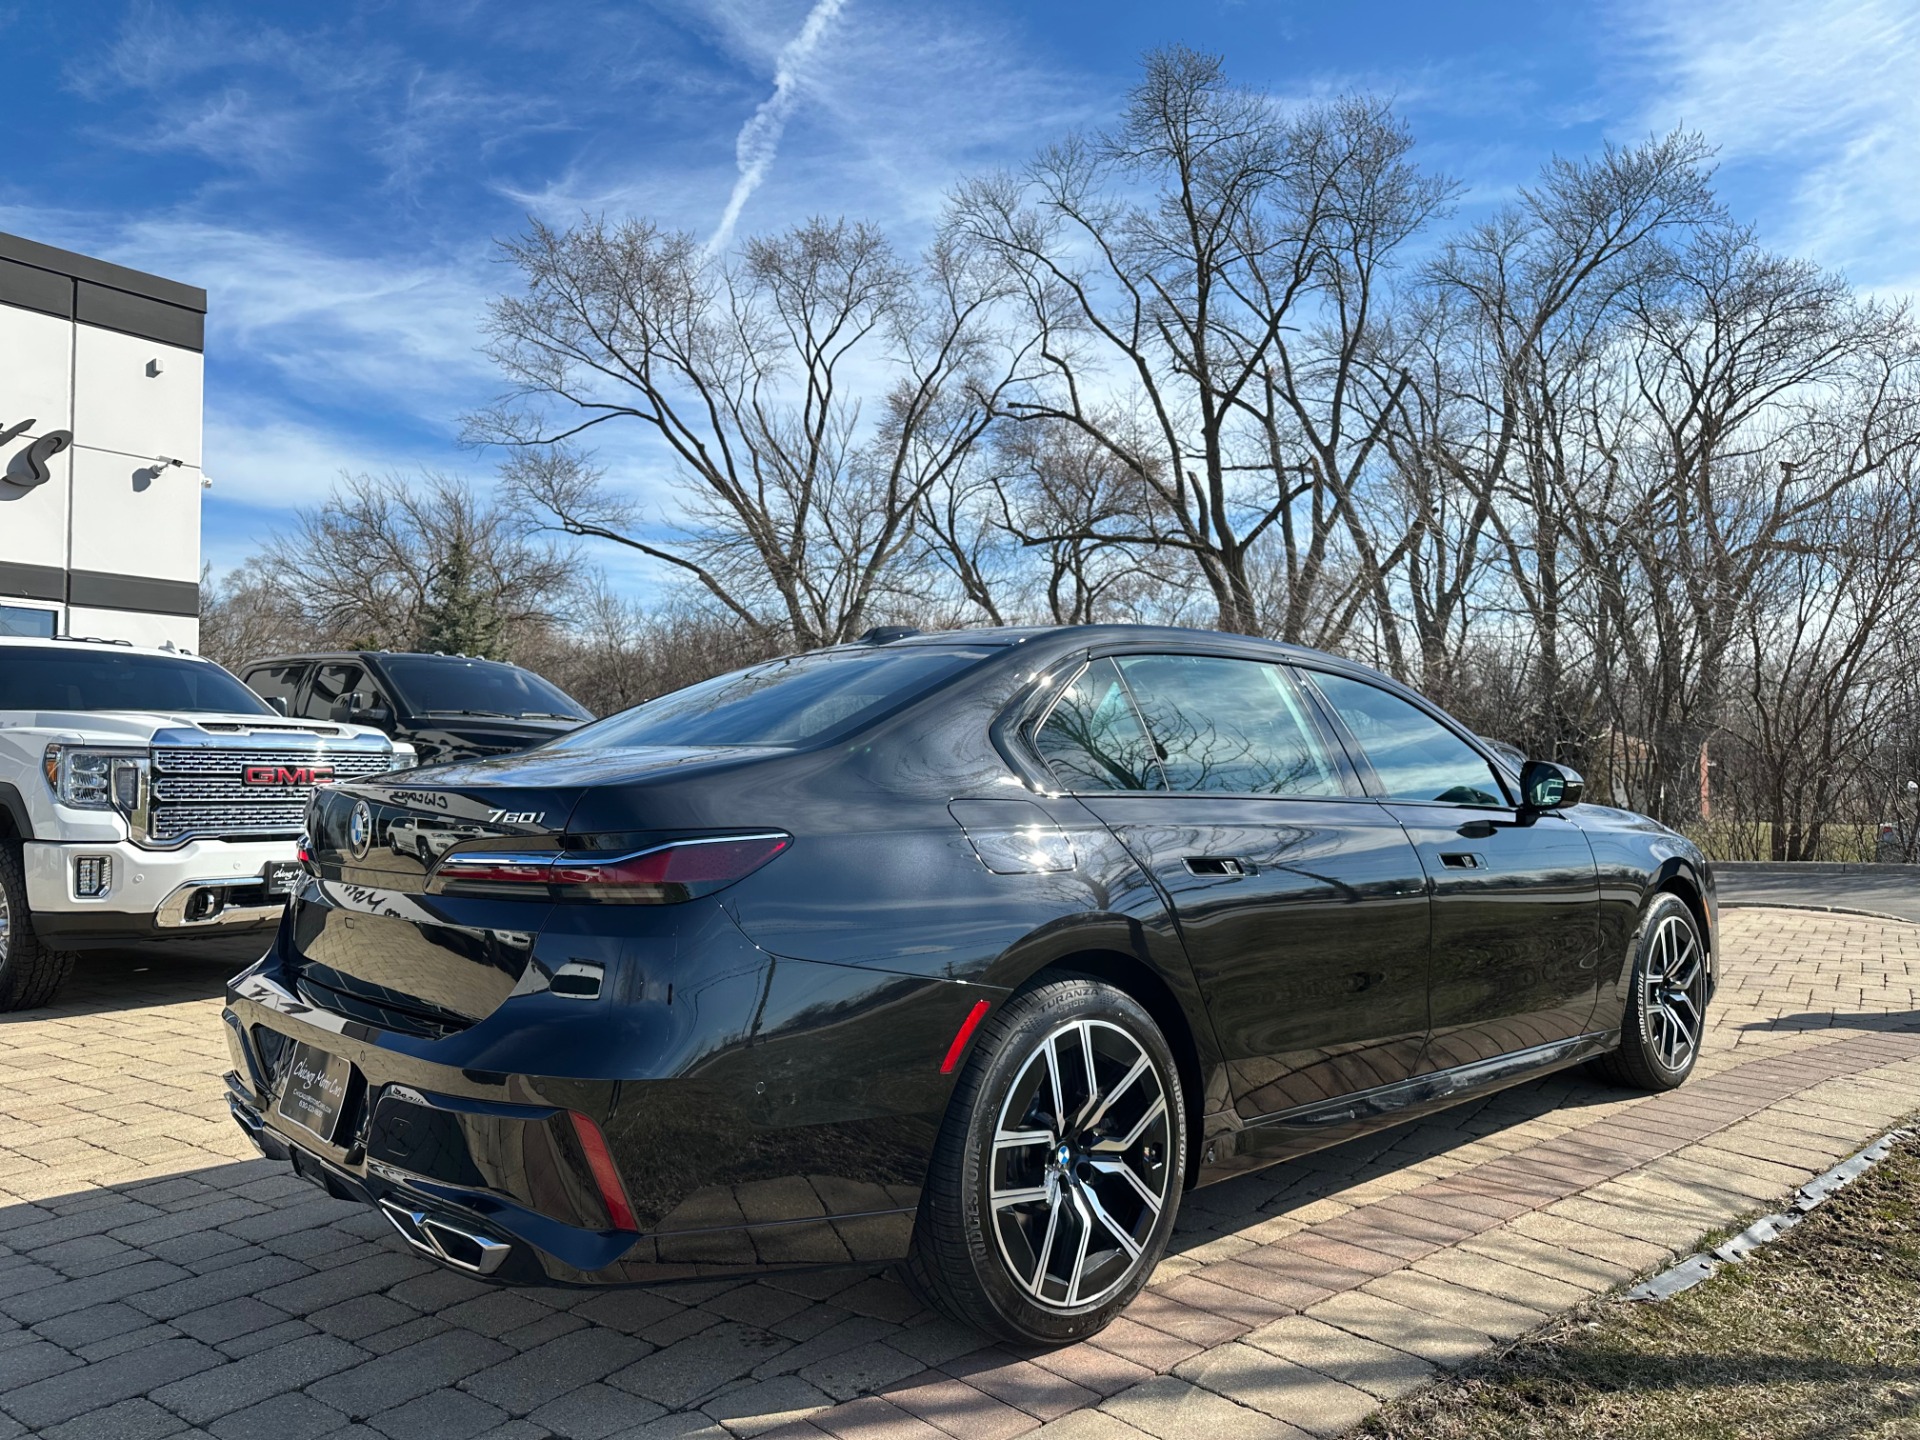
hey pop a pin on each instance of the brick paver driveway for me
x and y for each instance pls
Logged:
(154, 1281)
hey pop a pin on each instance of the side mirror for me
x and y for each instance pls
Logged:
(376, 715)
(1547, 786)
(343, 708)
(277, 704)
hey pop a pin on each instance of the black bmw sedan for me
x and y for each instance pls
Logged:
(971, 950)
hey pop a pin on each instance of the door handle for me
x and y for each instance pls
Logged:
(1461, 860)
(1217, 866)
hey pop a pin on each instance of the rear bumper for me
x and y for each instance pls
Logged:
(802, 1146)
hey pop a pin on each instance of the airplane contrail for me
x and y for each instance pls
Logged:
(759, 139)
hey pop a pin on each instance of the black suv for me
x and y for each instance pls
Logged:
(448, 707)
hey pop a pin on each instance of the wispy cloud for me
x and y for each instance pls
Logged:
(759, 140)
(1817, 93)
(398, 329)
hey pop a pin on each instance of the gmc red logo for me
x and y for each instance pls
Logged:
(287, 775)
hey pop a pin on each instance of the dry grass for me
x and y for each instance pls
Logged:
(1753, 840)
(1816, 1335)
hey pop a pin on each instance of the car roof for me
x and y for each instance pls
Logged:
(1106, 634)
(94, 642)
(304, 657)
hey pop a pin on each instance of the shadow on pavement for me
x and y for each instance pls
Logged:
(1879, 1021)
(140, 976)
(242, 1299)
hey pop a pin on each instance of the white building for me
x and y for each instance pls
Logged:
(100, 383)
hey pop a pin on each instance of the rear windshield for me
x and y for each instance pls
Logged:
(32, 678)
(783, 702)
(448, 685)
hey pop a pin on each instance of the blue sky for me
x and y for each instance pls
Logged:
(334, 174)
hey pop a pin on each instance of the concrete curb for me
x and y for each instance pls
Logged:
(1817, 867)
(1702, 1265)
(1820, 909)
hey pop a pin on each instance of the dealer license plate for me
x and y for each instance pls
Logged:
(315, 1091)
(283, 879)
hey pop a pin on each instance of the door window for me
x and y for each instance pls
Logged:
(331, 685)
(1237, 726)
(1092, 739)
(1414, 755)
(276, 682)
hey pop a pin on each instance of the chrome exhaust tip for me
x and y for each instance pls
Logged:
(462, 1249)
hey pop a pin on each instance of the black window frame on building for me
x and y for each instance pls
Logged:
(46, 626)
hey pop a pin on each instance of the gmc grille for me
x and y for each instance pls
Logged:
(198, 792)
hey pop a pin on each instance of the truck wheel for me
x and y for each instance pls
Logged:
(30, 972)
(1057, 1175)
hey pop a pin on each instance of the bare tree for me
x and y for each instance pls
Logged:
(1812, 684)
(614, 654)
(807, 397)
(399, 564)
(1764, 394)
(247, 614)
(1204, 282)
(1516, 389)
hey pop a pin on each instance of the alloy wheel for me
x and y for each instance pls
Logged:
(6, 926)
(1080, 1169)
(1674, 988)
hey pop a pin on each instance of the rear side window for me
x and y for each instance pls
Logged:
(1414, 755)
(1092, 739)
(1234, 726)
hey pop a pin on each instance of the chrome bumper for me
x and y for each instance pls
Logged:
(205, 904)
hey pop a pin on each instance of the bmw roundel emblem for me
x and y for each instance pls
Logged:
(360, 830)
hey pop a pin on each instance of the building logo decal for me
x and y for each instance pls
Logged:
(29, 467)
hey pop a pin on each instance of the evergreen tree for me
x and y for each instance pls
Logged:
(462, 615)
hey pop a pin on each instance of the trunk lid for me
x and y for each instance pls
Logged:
(369, 941)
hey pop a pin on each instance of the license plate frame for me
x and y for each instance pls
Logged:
(282, 877)
(313, 1094)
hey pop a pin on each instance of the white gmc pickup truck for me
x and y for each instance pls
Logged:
(147, 796)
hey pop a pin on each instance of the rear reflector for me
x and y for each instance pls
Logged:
(962, 1035)
(665, 875)
(605, 1178)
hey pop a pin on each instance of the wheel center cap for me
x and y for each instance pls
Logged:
(1064, 1155)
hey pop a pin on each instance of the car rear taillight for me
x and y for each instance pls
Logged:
(664, 875)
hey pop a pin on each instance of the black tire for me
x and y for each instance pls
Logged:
(969, 1253)
(30, 972)
(1668, 995)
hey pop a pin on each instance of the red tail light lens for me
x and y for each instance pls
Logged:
(665, 875)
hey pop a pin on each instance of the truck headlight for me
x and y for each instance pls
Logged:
(93, 779)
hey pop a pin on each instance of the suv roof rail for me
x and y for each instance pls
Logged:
(94, 640)
(882, 634)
